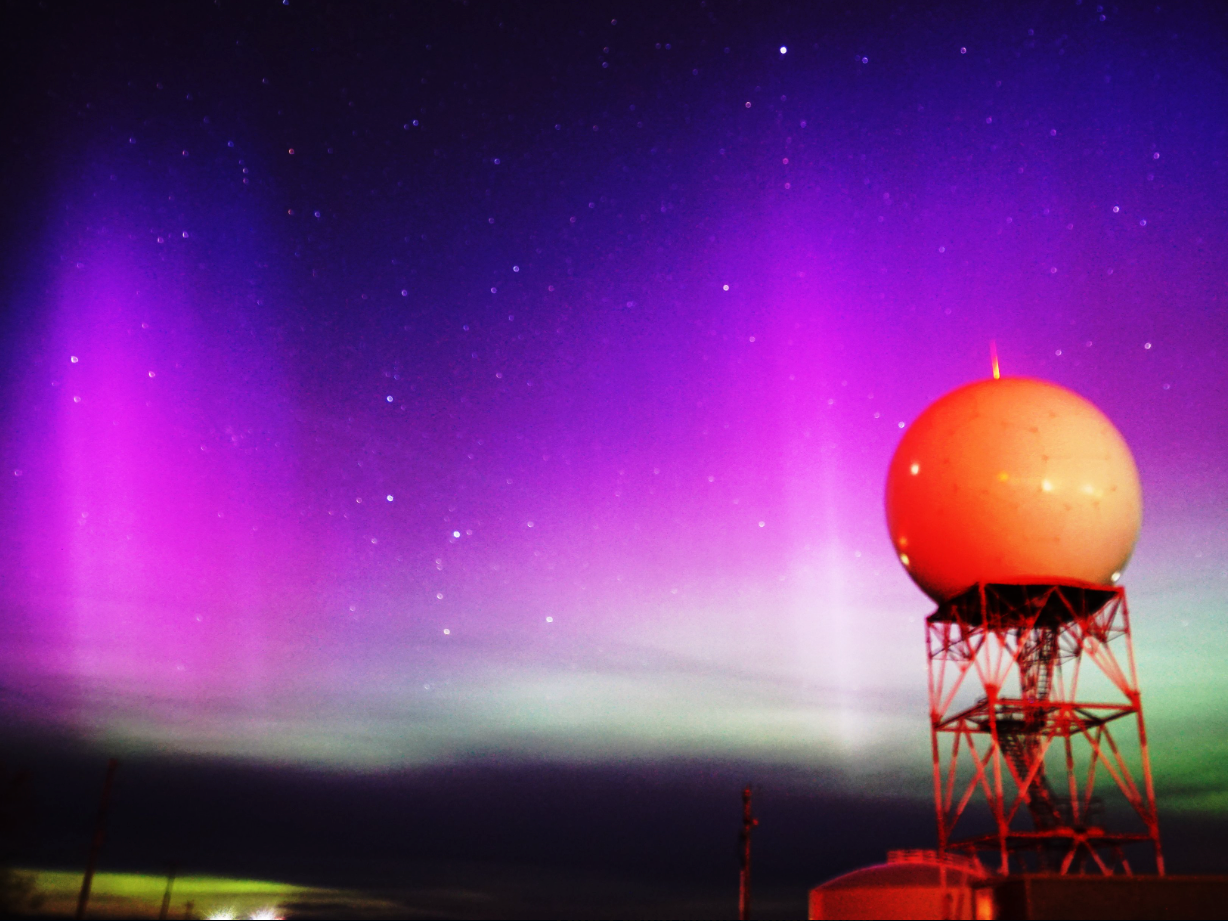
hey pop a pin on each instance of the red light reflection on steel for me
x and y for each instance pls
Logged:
(1031, 747)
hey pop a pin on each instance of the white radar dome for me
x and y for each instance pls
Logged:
(1012, 480)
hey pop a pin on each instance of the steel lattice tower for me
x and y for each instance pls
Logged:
(1031, 747)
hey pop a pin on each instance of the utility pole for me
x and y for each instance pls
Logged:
(166, 896)
(748, 824)
(100, 829)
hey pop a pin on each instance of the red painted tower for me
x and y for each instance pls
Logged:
(1015, 504)
(1035, 715)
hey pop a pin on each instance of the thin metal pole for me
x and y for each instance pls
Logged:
(100, 827)
(936, 689)
(748, 823)
(1137, 699)
(166, 896)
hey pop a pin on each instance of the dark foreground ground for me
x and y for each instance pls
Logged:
(482, 840)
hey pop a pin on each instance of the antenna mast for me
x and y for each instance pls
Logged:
(748, 824)
(100, 833)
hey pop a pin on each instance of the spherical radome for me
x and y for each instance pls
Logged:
(1012, 480)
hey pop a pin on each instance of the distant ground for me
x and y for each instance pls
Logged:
(482, 840)
(501, 894)
(139, 895)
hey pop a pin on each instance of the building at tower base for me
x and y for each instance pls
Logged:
(923, 884)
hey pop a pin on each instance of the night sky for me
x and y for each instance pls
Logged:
(504, 393)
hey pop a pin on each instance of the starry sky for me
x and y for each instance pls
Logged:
(390, 386)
